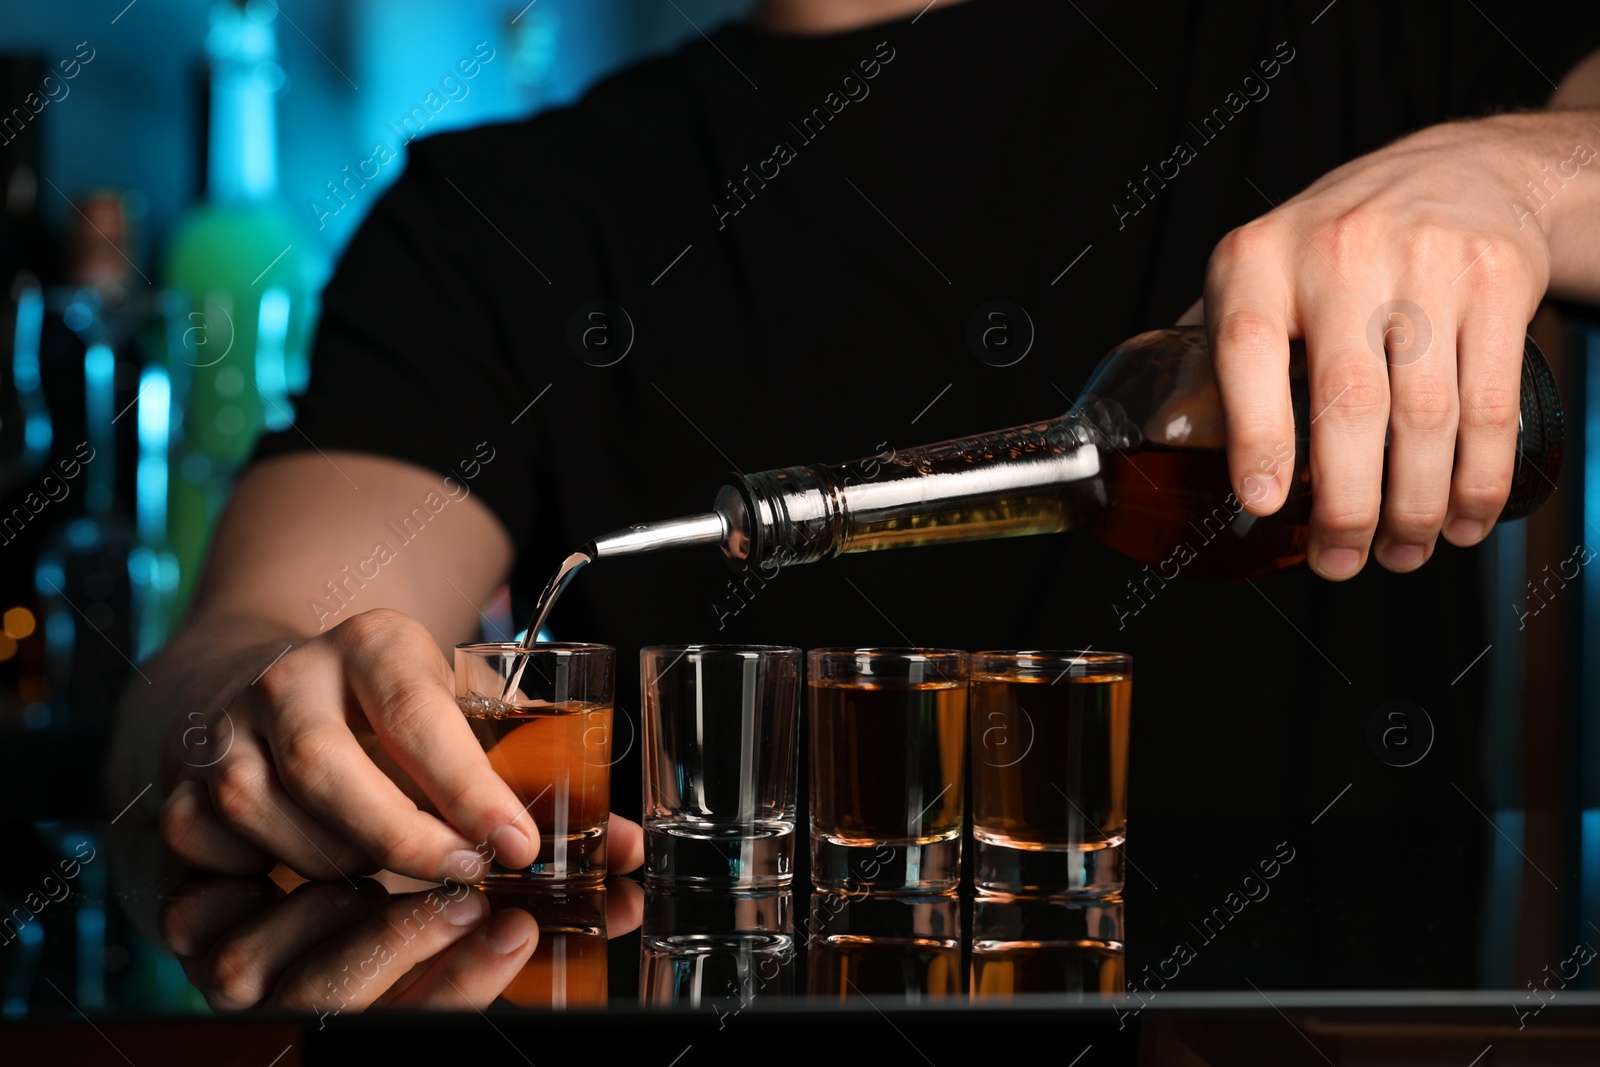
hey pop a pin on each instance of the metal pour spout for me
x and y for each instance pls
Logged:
(710, 528)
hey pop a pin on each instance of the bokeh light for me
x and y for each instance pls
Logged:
(18, 623)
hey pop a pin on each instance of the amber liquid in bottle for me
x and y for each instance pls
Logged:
(1170, 508)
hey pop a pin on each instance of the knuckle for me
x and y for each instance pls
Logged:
(1496, 268)
(1347, 520)
(1243, 244)
(375, 625)
(179, 821)
(1427, 406)
(239, 791)
(1482, 498)
(307, 760)
(1248, 330)
(1345, 239)
(396, 848)
(237, 980)
(1356, 395)
(1491, 407)
(407, 710)
(1413, 521)
(1427, 246)
(271, 685)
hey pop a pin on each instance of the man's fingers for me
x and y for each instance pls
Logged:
(1423, 412)
(351, 969)
(200, 910)
(323, 765)
(198, 838)
(474, 971)
(1490, 358)
(624, 905)
(1245, 312)
(400, 680)
(624, 845)
(1349, 394)
(245, 964)
(244, 790)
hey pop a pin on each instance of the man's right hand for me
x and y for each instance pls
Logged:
(282, 774)
(335, 757)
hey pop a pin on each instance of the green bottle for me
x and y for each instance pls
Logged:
(242, 272)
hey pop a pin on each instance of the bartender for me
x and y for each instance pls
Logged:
(781, 233)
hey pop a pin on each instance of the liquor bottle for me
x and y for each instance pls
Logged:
(1139, 462)
(89, 598)
(242, 267)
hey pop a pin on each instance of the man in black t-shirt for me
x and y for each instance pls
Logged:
(787, 228)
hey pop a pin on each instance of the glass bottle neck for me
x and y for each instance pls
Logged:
(1044, 477)
(242, 148)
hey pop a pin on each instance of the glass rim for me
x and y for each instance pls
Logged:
(1056, 655)
(992, 663)
(722, 649)
(906, 654)
(559, 648)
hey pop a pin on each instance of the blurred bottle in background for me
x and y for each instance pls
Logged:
(245, 283)
(94, 360)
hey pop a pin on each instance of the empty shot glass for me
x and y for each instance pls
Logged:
(550, 740)
(719, 764)
(888, 748)
(1050, 771)
(717, 947)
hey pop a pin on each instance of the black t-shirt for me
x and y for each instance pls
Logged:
(798, 232)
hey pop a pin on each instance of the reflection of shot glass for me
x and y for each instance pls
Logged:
(568, 966)
(888, 741)
(906, 946)
(1050, 771)
(719, 764)
(720, 948)
(550, 740)
(1070, 947)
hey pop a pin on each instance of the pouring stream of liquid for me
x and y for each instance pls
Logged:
(547, 599)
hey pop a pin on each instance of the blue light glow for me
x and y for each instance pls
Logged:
(1589, 863)
(272, 372)
(155, 425)
(48, 578)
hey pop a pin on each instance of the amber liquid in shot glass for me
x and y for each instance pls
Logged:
(888, 744)
(1050, 771)
(555, 754)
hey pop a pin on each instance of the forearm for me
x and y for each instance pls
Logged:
(278, 576)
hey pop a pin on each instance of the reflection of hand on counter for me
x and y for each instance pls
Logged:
(329, 947)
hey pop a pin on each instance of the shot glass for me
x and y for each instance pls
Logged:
(723, 948)
(888, 747)
(1069, 948)
(568, 968)
(719, 764)
(1050, 771)
(864, 944)
(550, 740)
